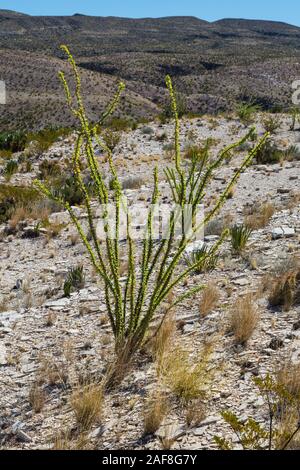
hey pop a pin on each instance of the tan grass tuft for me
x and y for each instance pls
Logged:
(244, 318)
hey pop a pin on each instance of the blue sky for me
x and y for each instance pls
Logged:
(288, 10)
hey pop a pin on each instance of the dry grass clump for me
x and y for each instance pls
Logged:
(156, 409)
(36, 398)
(53, 373)
(4, 303)
(187, 378)
(133, 182)
(243, 319)
(288, 379)
(87, 404)
(195, 414)
(258, 217)
(65, 441)
(288, 376)
(218, 225)
(20, 214)
(285, 288)
(161, 341)
(209, 299)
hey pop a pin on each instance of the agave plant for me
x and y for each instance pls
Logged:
(75, 280)
(240, 235)
(133, 304)
(204, 258)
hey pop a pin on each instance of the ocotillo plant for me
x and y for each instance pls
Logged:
(132, 306)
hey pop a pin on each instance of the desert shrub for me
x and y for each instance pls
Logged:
(240, 235)
(119, 124)
(156, 409)
(147, 130)
(195, 150)
(67, 189)
(33, 232)
(13, 141)
(153, 275)
(269, 154)
(45, 138)
(75, 280)
(219, 225)
(258, 216)
(10, 168)
(285, 288)
(295, 117)
(162, 137)
(187, 379)
(36, 398)
(133, 182)
(49, 169)
(243, 319)
(167, 111)
(245, 111)
(111, 138)
(282, 408)
(169, 150)
(161, 341)
(87, 405)
(204, 259)
(5, 154)
(292, 153)
(271, 124)
(288, 377)
(12, 197)
(209, 299)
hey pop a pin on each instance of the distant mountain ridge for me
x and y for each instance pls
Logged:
(214, 65)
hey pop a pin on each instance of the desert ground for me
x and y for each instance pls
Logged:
(52, 345)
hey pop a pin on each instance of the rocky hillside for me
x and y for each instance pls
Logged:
(214, 65)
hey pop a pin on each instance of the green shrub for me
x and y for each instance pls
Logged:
(203, 258)
(45, 138)
(10, 168)
(111, 139)
(75, 280)
(49, 169)
(15, 196)
(146, 130)
(269, 154)
(292, 153)
(282, 407)
(240, 235)
(245, 111)
(120, 124)
(68, 190)
(13, 141)
(167, 112)
(271, 124)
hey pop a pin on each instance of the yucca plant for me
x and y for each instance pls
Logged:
(240, 235)
(133, 305)
(75, 280)
(245, 111)
(204, 258)
(295, 115)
